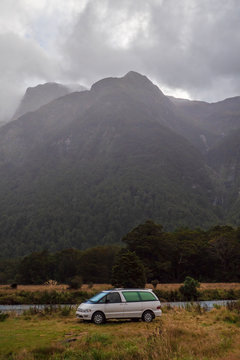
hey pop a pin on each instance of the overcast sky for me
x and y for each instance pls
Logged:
(189, 48)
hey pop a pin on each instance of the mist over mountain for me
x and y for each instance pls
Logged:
(84, 168)
(37, 96)
(214, 121)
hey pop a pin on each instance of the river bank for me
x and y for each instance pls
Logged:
(60, 294)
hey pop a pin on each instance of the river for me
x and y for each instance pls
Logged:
(208, 305)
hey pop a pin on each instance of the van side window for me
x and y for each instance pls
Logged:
(113, 298)
(102, 300)
(131, 296)
(147, 296)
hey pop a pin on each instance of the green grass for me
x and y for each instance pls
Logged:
(179, 335)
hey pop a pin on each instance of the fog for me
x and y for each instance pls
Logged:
(189, 48)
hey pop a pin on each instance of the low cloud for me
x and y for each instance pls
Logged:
(186, 46)
(189, 44)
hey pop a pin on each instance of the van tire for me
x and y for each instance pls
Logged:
(147, 316)
(98, 318)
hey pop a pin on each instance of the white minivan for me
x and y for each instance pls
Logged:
(120, 304)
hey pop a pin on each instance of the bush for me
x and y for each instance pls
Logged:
(75, 283)
(14, 286)
(3, 316)
(155, 283)
(233, 306)
(189, 288)
(90, 285)
(66, 310)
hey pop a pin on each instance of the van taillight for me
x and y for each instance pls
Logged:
(158, 307)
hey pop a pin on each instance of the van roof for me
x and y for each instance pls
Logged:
(127, 289)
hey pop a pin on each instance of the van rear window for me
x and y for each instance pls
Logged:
(147, 296)
(131, 296)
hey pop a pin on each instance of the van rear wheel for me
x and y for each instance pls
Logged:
(98, 318)
(147, 316)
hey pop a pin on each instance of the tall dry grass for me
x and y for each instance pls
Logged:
(100, 287)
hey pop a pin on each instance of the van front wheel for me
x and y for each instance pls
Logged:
(147, 316)
(98, 318)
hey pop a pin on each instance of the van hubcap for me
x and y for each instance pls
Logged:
(148, 317)
(98, 319)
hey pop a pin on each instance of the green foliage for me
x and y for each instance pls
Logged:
(3, 316)
(128, 271)
(189, 288)
(66, 264)
(66, 310)
(44, 297)
(36, 268)
(95, 265)
(208, 256)
(234, 306)
(75, 283)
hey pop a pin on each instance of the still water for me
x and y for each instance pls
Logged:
(19, 309)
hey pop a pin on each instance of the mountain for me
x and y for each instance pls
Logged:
(214, 121)
(37, 96)
(87, 167)
(224, 158)
(219, 127)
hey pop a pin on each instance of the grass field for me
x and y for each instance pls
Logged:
(99, 287)
(180, 334)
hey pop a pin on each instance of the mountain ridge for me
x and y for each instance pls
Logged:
(87, 167)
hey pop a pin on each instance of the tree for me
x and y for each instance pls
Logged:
(153, 247)
(189, 288)
(36, 268)
(224, 248)
(96, 264)
(67, 264)
(128, 271)
(190, 256)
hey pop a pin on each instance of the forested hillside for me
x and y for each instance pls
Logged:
(87, 167)
(210, 256)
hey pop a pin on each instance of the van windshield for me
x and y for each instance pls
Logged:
(96, 298)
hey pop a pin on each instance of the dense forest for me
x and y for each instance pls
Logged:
(207, 255)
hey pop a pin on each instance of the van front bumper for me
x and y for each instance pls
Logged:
(83, 315)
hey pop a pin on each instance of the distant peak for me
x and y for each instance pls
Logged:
(132, 79)
(48, 85)
(135, 76)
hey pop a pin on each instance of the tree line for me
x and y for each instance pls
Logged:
(149, 251)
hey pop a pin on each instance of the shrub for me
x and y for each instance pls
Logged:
(75, 283)
(3, 316)
(90, 285)
(66, 310)
(233, 306)
(155, 283)
(189, 288)
(14, 286)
